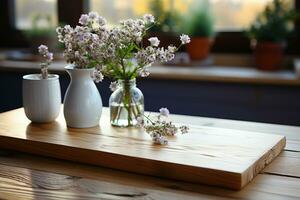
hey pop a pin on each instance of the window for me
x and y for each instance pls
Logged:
(236, 15)
(230, 15)
(27, 10)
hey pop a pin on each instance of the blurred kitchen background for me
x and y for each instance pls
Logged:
(243, 62)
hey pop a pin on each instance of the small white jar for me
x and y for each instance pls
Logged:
(41, 97)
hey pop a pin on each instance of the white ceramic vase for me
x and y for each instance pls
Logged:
(82, 103)
(41, 97)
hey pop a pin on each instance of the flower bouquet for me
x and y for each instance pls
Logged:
(118, 53)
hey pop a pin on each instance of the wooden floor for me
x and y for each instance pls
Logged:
(24, 176)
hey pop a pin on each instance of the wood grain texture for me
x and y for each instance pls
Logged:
(290, 132)
(214, 156)
(19, 183)
(46, 178)
(286, 164)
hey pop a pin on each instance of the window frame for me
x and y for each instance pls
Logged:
(68, 13)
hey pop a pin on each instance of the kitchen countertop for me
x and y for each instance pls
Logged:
(225, 74)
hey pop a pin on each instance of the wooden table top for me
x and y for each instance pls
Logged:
(208, 155)
(223, 74)
(24, 176)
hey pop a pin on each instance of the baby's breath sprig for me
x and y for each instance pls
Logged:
(160, 128)
(48, 58)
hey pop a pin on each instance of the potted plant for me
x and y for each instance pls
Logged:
(42, 32)
(269, 33)
(200, 26)
(41, 92)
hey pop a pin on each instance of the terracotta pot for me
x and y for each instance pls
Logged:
(199, 48)
(269, 55)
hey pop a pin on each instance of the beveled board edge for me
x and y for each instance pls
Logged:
(248, 175)
(157, 168)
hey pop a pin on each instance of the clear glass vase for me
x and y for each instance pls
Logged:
(126, 104)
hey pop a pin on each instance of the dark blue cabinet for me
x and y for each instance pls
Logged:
(251, 102)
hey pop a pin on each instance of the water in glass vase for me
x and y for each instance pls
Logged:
(120, 116)
(126, 104)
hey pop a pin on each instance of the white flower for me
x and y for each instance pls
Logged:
(161, 140)
(184, 129)
(140, 121)
(95, 38)
(169, 56)
(84, 20)
(154, 41)
(161, 54)
(172, 131)
(101, 20)
(138, 35)
(151, 58)
(185, 39)
(172, 49)
(97, 76)
(58, 30)
(140, 23)
(43, 49)
(148, 18)
(138, 39)
(144, 72)
(68, 29)
(93, 15)
(49, 56)
(113, 86)
(164, 112)
(77, 54)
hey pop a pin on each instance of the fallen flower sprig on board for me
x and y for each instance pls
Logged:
(161, 128)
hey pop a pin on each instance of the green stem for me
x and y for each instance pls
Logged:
(137, 108)
(149, 119)
(123, 67)
(127, 102)
(118, 114)
(134, 71)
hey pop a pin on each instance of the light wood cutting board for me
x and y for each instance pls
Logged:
(214, 156)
